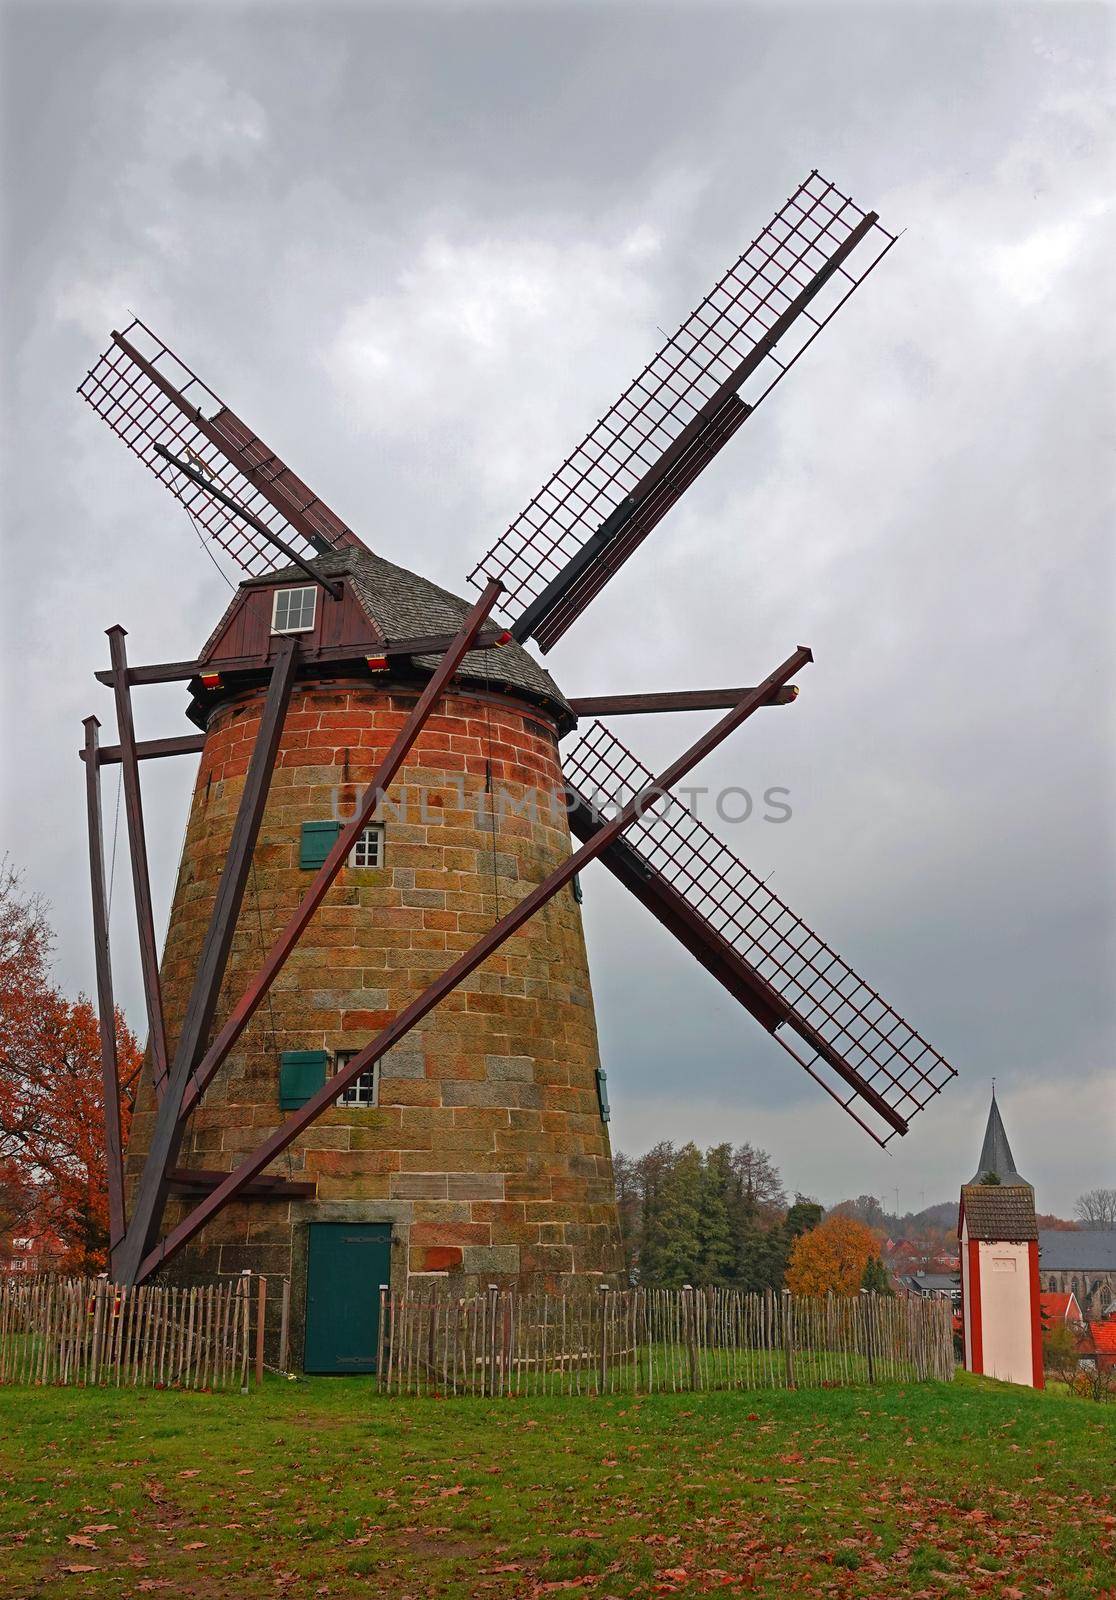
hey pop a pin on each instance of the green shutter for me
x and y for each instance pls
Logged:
(301, 1074)
(575, 886)
(318, 839)
(602, 1095)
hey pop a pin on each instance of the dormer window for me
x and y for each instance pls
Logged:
(293, 611)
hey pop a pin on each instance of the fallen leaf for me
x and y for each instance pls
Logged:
(82, 1540)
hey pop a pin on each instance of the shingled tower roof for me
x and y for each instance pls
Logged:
(995, 1153)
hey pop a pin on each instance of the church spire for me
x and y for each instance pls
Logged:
(995, 1152)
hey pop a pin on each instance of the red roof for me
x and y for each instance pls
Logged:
(1058, 1306)
(1102, 1336)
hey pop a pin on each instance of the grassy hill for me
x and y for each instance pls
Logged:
(323, 1488)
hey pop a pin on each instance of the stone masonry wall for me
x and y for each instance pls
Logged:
(486, 1151)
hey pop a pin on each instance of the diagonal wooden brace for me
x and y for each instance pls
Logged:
(412, 1014)
(151, 1195)
(346, 839)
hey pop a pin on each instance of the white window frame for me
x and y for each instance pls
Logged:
(374, 830)
(362, 1092)
(302, 627)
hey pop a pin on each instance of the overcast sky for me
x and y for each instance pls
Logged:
(421, 250)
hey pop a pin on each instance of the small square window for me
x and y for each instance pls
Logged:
(293, 611)
(366, 1090)
(369, 848)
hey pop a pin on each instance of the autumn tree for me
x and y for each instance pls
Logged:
(832, 1256)
(51, 1094)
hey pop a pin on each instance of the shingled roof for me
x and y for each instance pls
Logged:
(995, 1152)
(405, 606)
(999, 1211)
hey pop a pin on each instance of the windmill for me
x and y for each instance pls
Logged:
(400, 1010)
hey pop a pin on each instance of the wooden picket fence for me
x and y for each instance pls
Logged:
(643, 1341)
(89, 1332)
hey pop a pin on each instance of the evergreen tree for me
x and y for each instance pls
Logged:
(875, 1278)
(717, 1197)
(677, 1245)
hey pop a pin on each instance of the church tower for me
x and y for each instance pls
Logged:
(1000, 1304)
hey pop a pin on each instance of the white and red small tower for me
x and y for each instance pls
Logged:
(1001, 1308)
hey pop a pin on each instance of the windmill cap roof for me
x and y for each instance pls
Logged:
(404, 605)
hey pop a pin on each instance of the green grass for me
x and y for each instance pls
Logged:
(324, 1488)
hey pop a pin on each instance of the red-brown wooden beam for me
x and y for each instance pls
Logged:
(151, 1193)
(186, 744)
(346, 839)
(631, 705)
(412, 1014)
(426, 644)
(233, 454)
(106, 1005)
(137, 845)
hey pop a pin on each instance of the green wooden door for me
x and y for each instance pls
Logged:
(346, 1264)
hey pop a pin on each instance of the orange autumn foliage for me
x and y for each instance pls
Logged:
(52, 1165)
(831, 1256)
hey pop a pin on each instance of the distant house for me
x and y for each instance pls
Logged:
(1058, 1308)
(35, 1250)
(1081, 1262)
(1097, 1345)
(932, 1285)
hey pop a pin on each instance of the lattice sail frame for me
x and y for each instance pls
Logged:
(822, 990)
(149, 396)
(684, 406)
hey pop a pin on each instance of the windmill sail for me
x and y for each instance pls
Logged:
(149, 398)
(834, 1024)
(683, 408)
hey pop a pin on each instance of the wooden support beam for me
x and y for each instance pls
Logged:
(630, 705)
(426, 644)
(106, 1005)
(460, 969)
(151, 1195)
(186, 744)
(137, 845)
(339, 854)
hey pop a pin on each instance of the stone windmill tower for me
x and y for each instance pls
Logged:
(372, 1047)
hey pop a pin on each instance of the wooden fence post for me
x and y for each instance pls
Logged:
(488, 1384)
(602, 1378)
(380, 1338)
(284, 1325)
(261, 1314)
(689, 1332)
(866, 1318)
(788, 1336)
